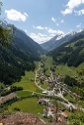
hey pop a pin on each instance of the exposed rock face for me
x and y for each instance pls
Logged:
(21, 119)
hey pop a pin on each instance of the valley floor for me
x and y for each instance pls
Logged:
(45, 95)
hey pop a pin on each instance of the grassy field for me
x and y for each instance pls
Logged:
(27, 105)
(65, 70)
(70, 98)
(44, 85)
(27, 83)
(23, 93)
(71, 71)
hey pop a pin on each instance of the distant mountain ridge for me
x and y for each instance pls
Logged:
(70, 53)
(58, 40)
(18, 56)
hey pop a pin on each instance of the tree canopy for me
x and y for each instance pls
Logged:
(4, 33)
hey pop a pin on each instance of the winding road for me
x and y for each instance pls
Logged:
(53, 93)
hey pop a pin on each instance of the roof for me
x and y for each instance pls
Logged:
(53, 109)
(75, 94)
(65, 114)
(62, 108)
(44, 92)
(60, 119)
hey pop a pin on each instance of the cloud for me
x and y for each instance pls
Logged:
(78, 26)
(40, 38)
(62, 21)
(26, 14)
(80, 12)
(53, 19)
(39, 27)
(55, 31)
(74, 3)
(71, 5)
(67, 11)
(57, 24)
(52, 35)
(46, 28)
(51, 31)
(15, 15)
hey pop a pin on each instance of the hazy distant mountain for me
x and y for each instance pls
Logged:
(18, 56)
(71, 52)
(60, 39)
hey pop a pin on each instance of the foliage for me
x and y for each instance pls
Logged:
(4, 33)
(70, 81)
(4, 36)
(12, 89)
(77, 118)
(70, 53)
(15, 60)
(18, 56)
(0, 6)
(81, 72)
(16, 109)
(4, 105)
(75, 86)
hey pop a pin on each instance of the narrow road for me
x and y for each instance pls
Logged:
(52, 93)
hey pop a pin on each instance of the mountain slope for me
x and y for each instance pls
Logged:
(71, 53)
(61, 39)
(30, 44)
(18, 56)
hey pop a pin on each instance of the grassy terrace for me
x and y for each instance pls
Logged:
(27, 105)
(27, 83)
(23, 93)
(70, 98)
(71, 71)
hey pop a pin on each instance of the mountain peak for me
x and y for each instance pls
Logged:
(58, 40)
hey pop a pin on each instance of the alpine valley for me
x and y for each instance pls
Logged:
(41, 84)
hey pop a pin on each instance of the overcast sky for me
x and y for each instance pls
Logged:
(43, 19)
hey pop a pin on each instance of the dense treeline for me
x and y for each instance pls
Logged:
(75, 85)
(8, 102)
(76, 118)
(71, 53)
(13, 67)
(4, 36)
(17, 57)
(12, 89)
(72, 82)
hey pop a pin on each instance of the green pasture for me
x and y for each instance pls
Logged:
(23, 93)
(71, 71)
(27, 82)
(29, 105)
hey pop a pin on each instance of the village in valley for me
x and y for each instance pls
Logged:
(52, 86)
(55, 98)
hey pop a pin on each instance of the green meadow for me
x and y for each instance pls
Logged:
(71, 71)
(29, 105)
(27, 82)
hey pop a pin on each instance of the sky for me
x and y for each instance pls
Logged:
(43, 19)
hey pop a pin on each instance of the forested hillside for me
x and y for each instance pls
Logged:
(71, 53)
(58, 40)
(18, 56)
